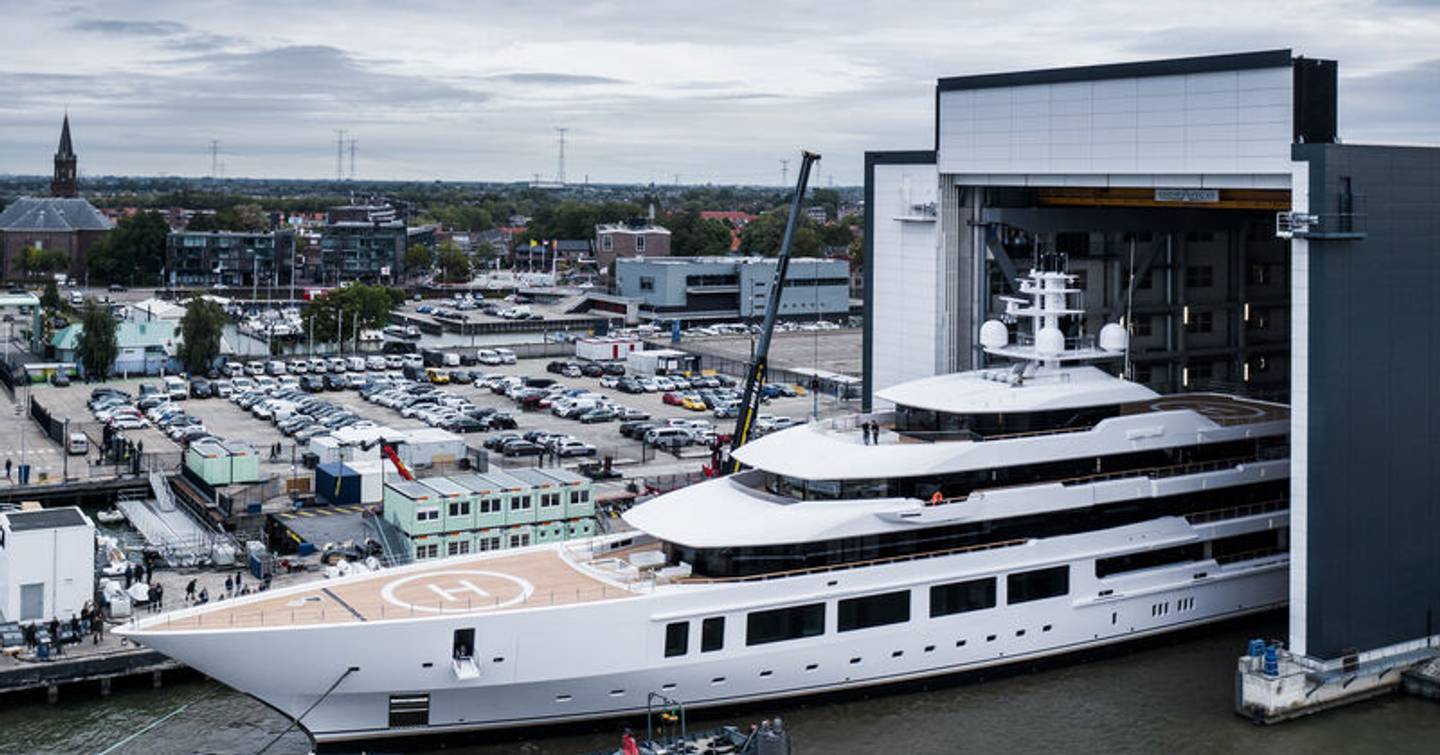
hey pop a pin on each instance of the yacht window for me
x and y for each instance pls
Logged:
(1104, 567)
(712, 634)
(677, 639)
(1037, 585)
(874, 611)
(780, 624)
(961, 597)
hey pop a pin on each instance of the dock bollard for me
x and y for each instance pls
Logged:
(1256, 648)
(1272, 661)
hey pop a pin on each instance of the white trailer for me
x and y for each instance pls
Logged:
(47, 564)
(661, 362)
(607, 349)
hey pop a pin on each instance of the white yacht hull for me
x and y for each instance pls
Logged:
(600, 660)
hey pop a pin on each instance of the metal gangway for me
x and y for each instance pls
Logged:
(171, 529)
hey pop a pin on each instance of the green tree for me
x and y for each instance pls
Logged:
(356, 305)
(97, 347)
(827, 198)
(765, 233)
(33, 259)
(454, 264)
(836, 234)
(693, 235)
(200, 331)
(50, 300)
(417, 259)
(133, 253)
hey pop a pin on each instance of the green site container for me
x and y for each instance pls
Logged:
(519, 536)
(457, 503)
(490, 500)
(578, 528)
(414, 508)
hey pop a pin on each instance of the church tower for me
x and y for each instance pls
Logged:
(63, 184)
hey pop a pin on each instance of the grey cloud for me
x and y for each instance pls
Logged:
(547, 78)
(130, 28)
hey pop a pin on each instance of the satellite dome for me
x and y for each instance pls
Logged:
(1114, 337)
(994, 334)
(1050, 341)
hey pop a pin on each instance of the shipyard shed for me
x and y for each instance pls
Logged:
(47, 563)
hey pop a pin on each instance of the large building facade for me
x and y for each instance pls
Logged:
(732, 288)
(231, 259)
(1205, 203)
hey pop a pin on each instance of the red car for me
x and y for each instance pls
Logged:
(673, 398)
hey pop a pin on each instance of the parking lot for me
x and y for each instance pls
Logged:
(225, 419)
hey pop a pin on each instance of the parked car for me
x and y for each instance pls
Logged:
(571, 447)
(598, 414)
(522, 447)
(200, 388)
(59, 379)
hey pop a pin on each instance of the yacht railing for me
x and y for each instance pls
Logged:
(857, 564)
(1149, 473)
(1236, 512)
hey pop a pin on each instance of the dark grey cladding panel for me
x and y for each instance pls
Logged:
(1168, 67)
(45, 519)
(1373, 567)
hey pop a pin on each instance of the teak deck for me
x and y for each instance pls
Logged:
(483, 583)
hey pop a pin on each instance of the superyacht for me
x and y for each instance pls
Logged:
(996, 516)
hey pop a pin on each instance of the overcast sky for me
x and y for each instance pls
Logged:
(714, 91)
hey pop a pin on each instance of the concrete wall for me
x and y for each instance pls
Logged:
(1367, 401)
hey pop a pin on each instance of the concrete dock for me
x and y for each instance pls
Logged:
(1276, 685)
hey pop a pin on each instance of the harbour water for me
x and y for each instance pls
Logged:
(1169, 697)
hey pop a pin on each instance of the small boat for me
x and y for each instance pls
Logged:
(110, 516)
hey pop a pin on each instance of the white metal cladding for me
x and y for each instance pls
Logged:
(906, 264)
(1157, 129)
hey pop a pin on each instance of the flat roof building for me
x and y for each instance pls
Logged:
(731, 288)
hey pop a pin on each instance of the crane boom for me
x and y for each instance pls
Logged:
(755, 378)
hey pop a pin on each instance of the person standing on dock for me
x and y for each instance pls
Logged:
(229, 584)
(190, 591)
(627, 744)
(8, 465)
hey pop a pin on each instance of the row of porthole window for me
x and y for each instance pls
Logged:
(764, 673)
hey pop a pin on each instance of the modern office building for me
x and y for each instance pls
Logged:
(732, 288)
(358, 250)
(231, 259)
(1206, 203)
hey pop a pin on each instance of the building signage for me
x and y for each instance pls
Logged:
(1187, 195)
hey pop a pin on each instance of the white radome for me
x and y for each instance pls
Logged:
(994, 334)
(1050, 341)
(1114, 337)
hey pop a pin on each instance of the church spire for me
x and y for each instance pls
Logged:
(65, 149)
(63, 184)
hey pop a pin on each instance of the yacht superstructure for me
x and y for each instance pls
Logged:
(999, 515)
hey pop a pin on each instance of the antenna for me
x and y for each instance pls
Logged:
(784, 172)
(214, 158)
(353, 142)
(560, 172)
(339, 154)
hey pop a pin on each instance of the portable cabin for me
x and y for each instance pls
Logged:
(459, 543)
(519, 536)
(413, 507)
(578, 528)
(547, 492)
(579, 491)
(519, 497)
(550, 532)
(489, 496)
(427, 547)
(457, 509)
(489, 539)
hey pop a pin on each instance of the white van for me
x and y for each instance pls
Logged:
(233, 369)
(338, 365)
(355, 364)
(255, 369)
(668, 436)
(77, 444)
(375, 363)
(489, 356)
(76, 299)
(412, 360)
(506, 356)
(450, 359)
(176, 389)
(318, 366)
(275, 367)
